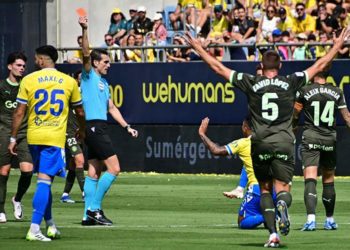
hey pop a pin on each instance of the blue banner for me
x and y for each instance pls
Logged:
(184, 93)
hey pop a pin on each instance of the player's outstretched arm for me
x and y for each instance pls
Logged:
(213, 63)
(117, 116)
(322, 63)
(83, 21)
(212, 147)
(346, 116)
(17, 119)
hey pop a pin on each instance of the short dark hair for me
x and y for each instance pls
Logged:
(12, 57)
(300, 4)
(325, 72)
(48, 50)
(271, 60)
(96, 55)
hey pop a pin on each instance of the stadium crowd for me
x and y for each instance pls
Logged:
(251, 23)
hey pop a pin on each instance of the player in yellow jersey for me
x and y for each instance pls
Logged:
(249, 214)
(45, 95)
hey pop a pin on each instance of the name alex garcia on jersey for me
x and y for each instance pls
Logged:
(321, 90)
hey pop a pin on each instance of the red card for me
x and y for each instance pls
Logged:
(81, 12)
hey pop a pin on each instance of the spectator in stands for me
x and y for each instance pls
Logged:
(255, 8)
(117, 27)
(132, 55)
(114, 55)
(311, 48)
(143, 24)
(281, 50)
(146, 55)
(178, 54)
(267, 24)
(310, 5)
(287, 39)
(178, 16)
(219, 24)
(203, 15)
(247, 32)
(303, 22)
(159, 34)
(77, 54)
(299, 52)
(325, 22)
(285, 23)
(131, 22)
(341, 14)
(322, 50)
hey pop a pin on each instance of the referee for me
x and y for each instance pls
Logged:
(96, 103)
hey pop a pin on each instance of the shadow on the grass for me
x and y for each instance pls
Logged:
(260, 245)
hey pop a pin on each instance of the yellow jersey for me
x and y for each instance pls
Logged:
(47, 94)
(301, 26)
(242, 148)
(219, 26)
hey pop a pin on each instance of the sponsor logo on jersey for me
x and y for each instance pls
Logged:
(10, 104)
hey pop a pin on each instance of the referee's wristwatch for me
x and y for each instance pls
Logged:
(127, 127)
(13, 139)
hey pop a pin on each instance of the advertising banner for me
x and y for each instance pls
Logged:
(184, 93)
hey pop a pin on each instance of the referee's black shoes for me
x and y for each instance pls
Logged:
(99, 217)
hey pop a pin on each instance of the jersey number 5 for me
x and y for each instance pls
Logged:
(56, 105)
(268, 107)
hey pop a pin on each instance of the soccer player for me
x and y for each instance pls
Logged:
(320, 102)
(45, 94)
(76, 157)
(238, 192)
(16, 63)
(249, 215)
(271, 101)
(97, 103)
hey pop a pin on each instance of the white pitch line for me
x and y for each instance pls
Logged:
(163, 226)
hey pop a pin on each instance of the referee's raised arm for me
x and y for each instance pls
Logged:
(83, 21)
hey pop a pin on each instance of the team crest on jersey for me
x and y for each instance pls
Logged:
(38, 121)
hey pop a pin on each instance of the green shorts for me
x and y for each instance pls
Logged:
(23, 154)
(321, 154)
(73, 146)
(273, 161)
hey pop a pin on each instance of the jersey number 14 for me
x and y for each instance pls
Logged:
(327, 115)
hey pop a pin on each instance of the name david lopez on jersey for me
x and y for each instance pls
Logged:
(268, 82)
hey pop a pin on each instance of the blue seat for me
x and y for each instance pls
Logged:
(166, 17)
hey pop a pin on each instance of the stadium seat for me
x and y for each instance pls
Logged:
(166, 16)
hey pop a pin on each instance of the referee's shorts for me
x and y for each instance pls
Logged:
(99, 143)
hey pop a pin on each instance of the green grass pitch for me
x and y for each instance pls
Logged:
(169, 211)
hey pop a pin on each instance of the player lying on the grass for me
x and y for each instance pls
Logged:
(270, 103)
(320, 102)
(16, 63)
(238, 192)
(249, 215)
